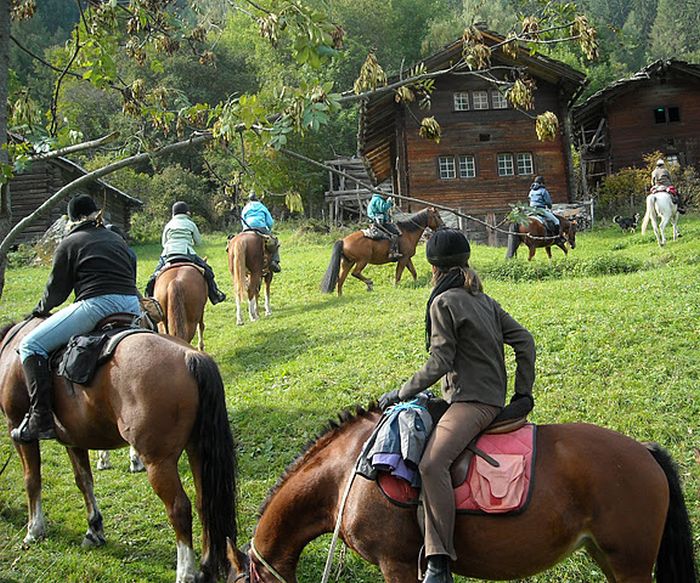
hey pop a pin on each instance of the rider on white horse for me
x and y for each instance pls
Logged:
(661, 180)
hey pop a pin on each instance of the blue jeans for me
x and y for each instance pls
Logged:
(78, 318)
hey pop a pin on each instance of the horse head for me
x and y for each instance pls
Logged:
(434, 219)
(570, 233)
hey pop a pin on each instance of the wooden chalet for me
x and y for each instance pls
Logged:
(658, 108)
(489, 153)
(43, 178)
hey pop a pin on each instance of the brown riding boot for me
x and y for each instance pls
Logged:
(38, 422)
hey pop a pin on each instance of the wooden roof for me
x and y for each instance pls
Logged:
(378, 113)
(660, 68)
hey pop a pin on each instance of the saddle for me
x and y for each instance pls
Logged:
(493, 475)
(177, 261)
(551, 229)
(376, 233)
(79, 360)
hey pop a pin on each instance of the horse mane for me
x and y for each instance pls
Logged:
(345, 418)
(414, 222)
(5, 329)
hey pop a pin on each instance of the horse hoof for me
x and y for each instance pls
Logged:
(136, 468)
(103, 466)
(32, 539)
(93, 541)
(239, 322)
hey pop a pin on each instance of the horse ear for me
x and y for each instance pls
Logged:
(235, 557)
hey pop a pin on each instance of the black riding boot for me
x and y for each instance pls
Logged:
(216, 296)
(38, 422)
(438, 570)
(148, 292)
(394, 252)
(275, 261)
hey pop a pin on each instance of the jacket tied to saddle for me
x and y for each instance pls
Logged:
(466, 351)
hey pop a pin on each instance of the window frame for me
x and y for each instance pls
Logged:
(480, 93)
(498, 100)
(465, 158)
(531, 160)
(457, 97)
(447, 159)
(506, 156)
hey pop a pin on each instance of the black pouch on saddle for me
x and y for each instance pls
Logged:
(84, 354)
(79, 361)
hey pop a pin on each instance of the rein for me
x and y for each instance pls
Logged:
(254, 575)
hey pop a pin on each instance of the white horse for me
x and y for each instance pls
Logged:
(661, 204)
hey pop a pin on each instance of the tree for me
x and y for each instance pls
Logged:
(153, 35)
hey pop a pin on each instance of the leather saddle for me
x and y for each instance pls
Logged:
(177, 261)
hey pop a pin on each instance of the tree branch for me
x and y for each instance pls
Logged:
(55, 198)
(75, 148)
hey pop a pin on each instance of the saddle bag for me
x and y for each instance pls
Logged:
(79, 361)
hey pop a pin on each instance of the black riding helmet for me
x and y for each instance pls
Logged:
(81, 206)
(180, 208)
(448, 248)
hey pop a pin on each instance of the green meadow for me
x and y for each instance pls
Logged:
(616, 323)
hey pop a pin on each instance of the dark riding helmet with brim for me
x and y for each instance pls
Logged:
(81, 206)
(180, 208)
(448, 248)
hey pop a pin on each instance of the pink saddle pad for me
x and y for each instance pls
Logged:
(487, 489)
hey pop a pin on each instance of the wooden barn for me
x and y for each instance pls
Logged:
(43, 178)
(489, 153)
(657, 108)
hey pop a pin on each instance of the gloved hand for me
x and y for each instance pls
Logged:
(530, 399)
(39, 313)
(388, 399)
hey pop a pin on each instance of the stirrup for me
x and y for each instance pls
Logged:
(22, 434)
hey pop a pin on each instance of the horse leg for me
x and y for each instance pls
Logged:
(531, 253)
(195, 462)
(357, 273)
(412, 269)
(548, 250)
(135, 463)
(200, 333)
(253, 294)
(662, 227)
(103, 461)
(80, 459)
(166, 483)
(400, 265)
(674, 223)
(239, 316)
(398, 572)
(344, 270)
(268, 306)
(31, 463)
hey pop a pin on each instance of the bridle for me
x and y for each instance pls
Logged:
(254, 575)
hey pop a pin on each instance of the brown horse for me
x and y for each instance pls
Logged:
(248, 264)
(159, 395)
(534, 236)
(593, 488)
(182, 293)
(357, 250)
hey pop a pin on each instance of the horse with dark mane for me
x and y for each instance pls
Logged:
(248, 263)
(159, 395)
(181, 291)
(594, 488)
(358, 250)
(534, 235)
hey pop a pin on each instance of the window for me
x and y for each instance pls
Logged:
(461, 101)
(467, 167)
(505, 165)
(672, 159)
(484, 137)
(446, 167)
(525, 165)
(480, 99)
(4, 207)
(667, 115)
(498, 100)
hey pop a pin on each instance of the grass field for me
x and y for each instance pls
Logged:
(616, 324)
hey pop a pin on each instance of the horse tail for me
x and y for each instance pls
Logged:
(176, 320)
(513, 240)
(675, 562)
(217, 454)
(240, 281)
(330, 280)
(650, 214)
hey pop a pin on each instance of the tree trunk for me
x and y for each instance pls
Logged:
(5, 206)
